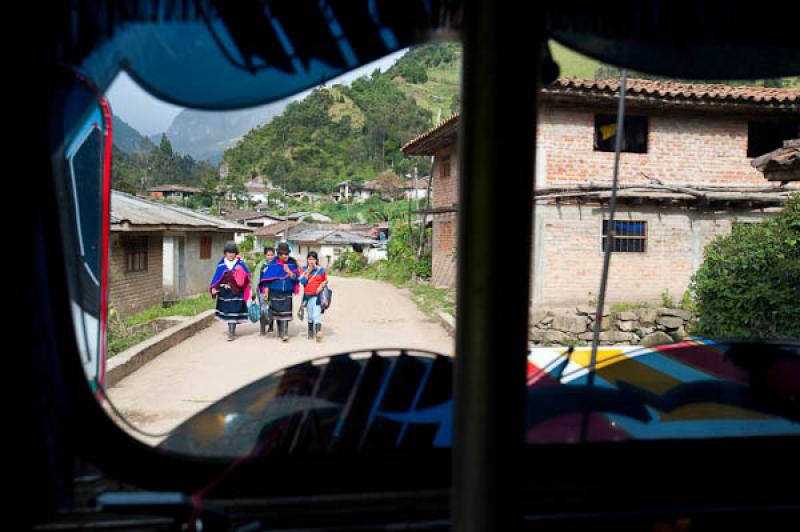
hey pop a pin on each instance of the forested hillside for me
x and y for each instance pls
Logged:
(352, 133)
(158, 165)
(335, 134)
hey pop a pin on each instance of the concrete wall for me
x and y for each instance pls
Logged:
(568, 257)
(198, 271)
(134, 292)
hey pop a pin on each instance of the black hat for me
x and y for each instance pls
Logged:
(230, 247)
(312, 254)
(283, 247)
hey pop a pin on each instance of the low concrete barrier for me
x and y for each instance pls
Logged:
(137, 356)
(447, 321)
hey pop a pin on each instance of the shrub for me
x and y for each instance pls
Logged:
(666, 299)
(248, 244)
(748, 283)
(350, 262)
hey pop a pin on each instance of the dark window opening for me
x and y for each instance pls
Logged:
(205, 247)
(445, 170)
(634, 134)
(135, 254)
(629, 237)
(764, 137)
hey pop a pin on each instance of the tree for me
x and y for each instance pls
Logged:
(208, 192)
(390, 185)
(748, 282)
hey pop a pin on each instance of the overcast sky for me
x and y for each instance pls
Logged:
(149, 115)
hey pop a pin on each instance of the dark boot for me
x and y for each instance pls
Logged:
(271, 326)
(283, 330)
(231, 331)
(262, 327)
(310, 331)
(318, 330)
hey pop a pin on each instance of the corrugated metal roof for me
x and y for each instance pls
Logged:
(173, 188)
(133, 211)
(275, 229)
(326, 236)
(347, 238)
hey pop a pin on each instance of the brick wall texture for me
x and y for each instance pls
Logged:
(568, 257)
(134, 292)
(444, 194)
(707, 150)
(682, 149)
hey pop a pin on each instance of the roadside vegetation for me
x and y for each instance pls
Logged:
(123, 334)
(748, 284)
(402, 268)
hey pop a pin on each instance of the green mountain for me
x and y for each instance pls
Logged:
(354, 133)
(126, 138)
(335, 134)
(205, 135)
(158, 165)
(431, 75)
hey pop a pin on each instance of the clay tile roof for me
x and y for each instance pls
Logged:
(450, 124)
(644, 90)
(680, 90)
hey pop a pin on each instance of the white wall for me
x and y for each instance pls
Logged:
(198, 271)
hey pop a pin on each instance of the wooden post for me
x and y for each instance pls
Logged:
(496, 150)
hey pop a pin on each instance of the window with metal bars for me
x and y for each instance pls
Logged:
(445, 168)
(629, 237)
(135, 254)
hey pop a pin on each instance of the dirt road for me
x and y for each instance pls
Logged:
(365, 314)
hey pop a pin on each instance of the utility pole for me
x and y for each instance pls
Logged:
(286, 205)
(421, 248)
(347, 199)
(416, 194)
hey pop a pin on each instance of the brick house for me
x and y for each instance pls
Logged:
(685, 174)
(161, 252)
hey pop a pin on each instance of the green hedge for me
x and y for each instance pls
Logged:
(749, 283)
(350, 262)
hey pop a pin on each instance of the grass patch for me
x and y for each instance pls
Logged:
(573, 64)
(119, 342)
(625, 307)
(430, 299)
(119, 337)
(187, 307)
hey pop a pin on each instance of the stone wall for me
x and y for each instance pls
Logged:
(644, 326)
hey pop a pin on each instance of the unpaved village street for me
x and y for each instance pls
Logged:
(364, 314)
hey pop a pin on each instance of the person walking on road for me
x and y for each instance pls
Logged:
(314, 280)
(278, 283)
(231, 288)
(269, 255)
